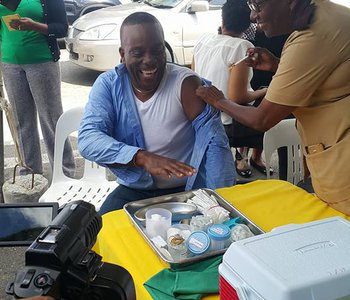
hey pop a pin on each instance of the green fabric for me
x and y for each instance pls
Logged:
(24, 47)
(190, 282)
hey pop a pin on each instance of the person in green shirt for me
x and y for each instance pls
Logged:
(31, 72)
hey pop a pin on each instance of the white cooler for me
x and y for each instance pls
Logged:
(294, 262)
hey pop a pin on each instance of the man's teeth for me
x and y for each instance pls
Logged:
(149, 72)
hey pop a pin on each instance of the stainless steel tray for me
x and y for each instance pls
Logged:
(138, 206)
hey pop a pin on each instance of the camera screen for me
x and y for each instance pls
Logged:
(21, 225)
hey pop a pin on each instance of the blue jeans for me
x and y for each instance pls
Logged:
(122, 195)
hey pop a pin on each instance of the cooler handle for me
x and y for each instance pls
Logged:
(241, 292)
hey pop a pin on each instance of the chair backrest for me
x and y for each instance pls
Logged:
(68, 123)
(285, 134)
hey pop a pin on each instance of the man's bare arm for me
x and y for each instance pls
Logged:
(261, 118)
(192, 104)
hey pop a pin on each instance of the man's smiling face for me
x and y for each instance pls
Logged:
(272, 16)
(143, 52)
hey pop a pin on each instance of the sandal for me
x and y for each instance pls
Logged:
(238, 155)
(244, 173)
(261, 169)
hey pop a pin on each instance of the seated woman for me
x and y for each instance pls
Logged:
(214, 58)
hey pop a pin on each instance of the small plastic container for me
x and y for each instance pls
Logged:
(220, 236)
(240, 232)
(198, 243)
(177, 236)
(158, 221)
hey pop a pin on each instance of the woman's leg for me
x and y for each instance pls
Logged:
(257, 161)
(241, 162)
(25, 116)
(45, 82)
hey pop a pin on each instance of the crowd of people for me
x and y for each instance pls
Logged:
(214, 57)
(316, 92)
(163, 128)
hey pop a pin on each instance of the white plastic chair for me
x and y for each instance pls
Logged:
(284, 134)
(93, 187)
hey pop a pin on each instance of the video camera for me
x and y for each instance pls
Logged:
(61, 264)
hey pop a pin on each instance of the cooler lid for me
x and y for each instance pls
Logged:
(311, 258)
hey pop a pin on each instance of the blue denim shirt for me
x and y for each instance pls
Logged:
(110, 132)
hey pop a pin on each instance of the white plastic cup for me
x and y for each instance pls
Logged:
(158, 221)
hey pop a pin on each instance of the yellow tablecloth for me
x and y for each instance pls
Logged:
(268, 203)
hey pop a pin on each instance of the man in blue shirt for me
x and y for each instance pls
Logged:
(144, 122)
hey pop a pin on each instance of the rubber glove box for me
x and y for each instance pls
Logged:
(310, 261)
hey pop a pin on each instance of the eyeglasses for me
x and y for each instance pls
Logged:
(254, 6)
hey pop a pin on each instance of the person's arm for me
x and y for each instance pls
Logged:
(96, 141)
(56, 25)
(237, 86)
(191, 103)
(262, 59)
(56, 19)
(261, 118)
(25, 24)
(162, 166)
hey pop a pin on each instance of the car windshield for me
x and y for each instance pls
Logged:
(163, 3)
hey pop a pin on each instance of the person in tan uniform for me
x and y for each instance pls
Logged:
(312, 81)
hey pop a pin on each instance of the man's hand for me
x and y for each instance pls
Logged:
(262, 59)
(158, 165)
(211, 95)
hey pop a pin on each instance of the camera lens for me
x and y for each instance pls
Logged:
(42, 280)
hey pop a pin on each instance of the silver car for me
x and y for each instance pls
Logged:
(77, 8)
(93, 40)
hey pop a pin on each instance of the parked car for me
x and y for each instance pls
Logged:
(93, 40)
(77, 8)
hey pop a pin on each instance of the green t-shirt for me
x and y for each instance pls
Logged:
(24, 47)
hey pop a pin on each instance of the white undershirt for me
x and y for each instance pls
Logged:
(166, 129)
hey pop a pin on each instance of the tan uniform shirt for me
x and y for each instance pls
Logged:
(314, 76)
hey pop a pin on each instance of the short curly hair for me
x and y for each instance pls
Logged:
(236, 15)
